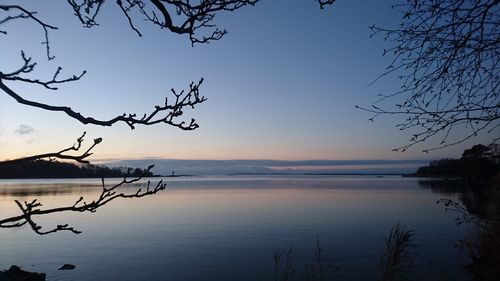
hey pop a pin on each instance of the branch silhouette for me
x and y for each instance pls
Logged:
(446, 55)
(32, 209)
(171, 111)
(166, 113)
(323, 3)
(25, 14)
(62, 154)
(194, 17)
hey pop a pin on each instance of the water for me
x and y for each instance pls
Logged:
(226, 228)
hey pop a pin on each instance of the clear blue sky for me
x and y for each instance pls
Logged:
(281, 85)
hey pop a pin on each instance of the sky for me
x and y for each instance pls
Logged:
(282, 84)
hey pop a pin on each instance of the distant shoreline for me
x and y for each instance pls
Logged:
(215, 175)
(105, 177)
(315, 174)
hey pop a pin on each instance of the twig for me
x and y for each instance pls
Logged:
(108, 194)
(60, 154)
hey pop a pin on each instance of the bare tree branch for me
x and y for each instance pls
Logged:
(194, 17)
(28, 66)
(31, 15)
(323, 3)
(90, 10)
(108, 194)
(9, 18)
(168, 113)
(62, 154)
(446, 54)
(126, 13)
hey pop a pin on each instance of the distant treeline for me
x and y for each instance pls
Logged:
(54, 169)
(478, 162)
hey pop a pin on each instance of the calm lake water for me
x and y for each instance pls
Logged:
(226, 228)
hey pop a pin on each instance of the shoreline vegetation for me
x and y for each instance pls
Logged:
(56, 169)
(43, 169)
(479, 163)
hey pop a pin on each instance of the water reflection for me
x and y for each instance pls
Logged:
(226, 228)
(481, 198)
(482, 209)
(53, 189)
(21, 188)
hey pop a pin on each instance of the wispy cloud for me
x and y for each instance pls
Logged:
(24, 130)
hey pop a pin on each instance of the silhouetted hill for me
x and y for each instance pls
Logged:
(54, 169)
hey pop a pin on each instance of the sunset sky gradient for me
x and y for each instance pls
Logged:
(282, 84)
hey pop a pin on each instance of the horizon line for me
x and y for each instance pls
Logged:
(263, 159)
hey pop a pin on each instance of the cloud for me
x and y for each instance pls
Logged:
(24, 130)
